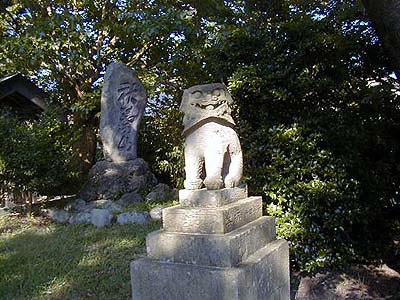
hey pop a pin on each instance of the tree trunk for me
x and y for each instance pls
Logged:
(85, 147)
(385, 18)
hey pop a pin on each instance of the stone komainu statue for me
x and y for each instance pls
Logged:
(213, 155)
(123, 100)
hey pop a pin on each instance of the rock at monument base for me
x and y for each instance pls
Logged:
(3, 212)
(156, 212)
(111, 180)
(57, 215)
(76, 205)
(161, 193)
(101, 217)
(107, 204)
(262, 276)
(130, 199)
(132, 217)
(82, 217)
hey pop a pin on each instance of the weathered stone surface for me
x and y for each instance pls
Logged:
(269, 269)
(262, 276)
(107, 204)
(58, 215)
(155, 196)
(156, 212)
(134, 216)
(202, 102)
(3, 212)
(77, 205)
(221, 250)
(130, 199)
(101, 217)
(110, 180)
(161, 192)
(211, 144)
(212, 220)
(82, 217)
(212, 198)
(123, 100)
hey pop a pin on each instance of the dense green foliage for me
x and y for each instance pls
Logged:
(323, 147)
(315, 104)
(35, 156)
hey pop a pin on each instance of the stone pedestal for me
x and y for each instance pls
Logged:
(215, 245)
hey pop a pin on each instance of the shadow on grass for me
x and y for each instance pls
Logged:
(70, 262)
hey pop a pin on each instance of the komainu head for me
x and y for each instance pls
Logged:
(201, 102)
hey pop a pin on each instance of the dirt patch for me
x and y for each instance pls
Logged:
(366, 282)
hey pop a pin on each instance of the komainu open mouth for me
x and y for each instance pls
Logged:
(210, 105)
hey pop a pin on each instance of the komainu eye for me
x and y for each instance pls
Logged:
(216, 92)
(197, 94)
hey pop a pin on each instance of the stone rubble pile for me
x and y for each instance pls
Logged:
(105, 212)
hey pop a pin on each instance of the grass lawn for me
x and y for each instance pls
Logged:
(43, 260)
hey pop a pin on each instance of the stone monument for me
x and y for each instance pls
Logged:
(215, 245)
(123, 100)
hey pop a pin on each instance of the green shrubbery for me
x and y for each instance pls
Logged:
(307, 189)
(36, 156)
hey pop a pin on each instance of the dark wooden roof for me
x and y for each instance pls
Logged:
(21, 96)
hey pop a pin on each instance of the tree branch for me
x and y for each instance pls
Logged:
(135, 58)
(385, 18)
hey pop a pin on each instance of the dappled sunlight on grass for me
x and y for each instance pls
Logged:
(48, 261)
(55, 288)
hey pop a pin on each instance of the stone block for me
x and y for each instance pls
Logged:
(58, 215)
(107, 204)
(100, 217)
(222, 250)
(156, 212)
(212, 198)
(263, 276)
(3, 212)
(133, 217)
(212, 220)
(129, 199)
(268, 269)
(82, 217)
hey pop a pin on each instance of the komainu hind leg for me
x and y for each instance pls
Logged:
(234, 175)
(194, 163)
(214, 160)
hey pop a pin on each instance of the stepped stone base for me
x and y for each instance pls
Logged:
(212, 220)
(221, 250)
(215, 245)
(262, 276)
(212, 198)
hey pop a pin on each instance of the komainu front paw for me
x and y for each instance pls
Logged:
(213, 183)
(231, 182)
